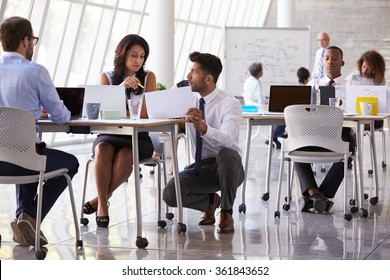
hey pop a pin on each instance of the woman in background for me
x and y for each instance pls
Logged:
(372, 67)
(113, 153)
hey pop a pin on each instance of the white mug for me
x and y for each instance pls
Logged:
(366, 108)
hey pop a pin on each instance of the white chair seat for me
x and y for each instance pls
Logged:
(315, 157)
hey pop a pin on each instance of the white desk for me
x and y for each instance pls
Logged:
(272, 120)
(128, 127)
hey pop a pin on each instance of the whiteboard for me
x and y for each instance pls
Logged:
(280, 50)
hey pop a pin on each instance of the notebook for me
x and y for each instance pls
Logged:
(326, 92)
(281, 96)
(169, 103)
(111, 98)
(73, 98)
(355, 91)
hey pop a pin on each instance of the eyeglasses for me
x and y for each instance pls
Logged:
(35, 40)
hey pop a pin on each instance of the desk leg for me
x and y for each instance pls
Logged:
(265, 196)
(181, 228)
(374, 199)
(140, 242)
(242, 207)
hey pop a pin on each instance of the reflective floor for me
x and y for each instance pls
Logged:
(258, 235)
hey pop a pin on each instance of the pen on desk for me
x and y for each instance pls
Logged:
(141, 85)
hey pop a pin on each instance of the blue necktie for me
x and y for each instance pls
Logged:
(198, 152)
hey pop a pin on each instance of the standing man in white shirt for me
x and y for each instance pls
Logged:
(253, 90)
(218, 165)
(323, 42)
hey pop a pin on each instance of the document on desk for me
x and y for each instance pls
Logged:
(169, 103)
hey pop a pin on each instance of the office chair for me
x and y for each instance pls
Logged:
(17, 146)
(160, 163)
(319, 126)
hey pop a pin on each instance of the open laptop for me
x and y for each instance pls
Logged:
(169, 103)
(73, 98)
(111, 98)
(281, 96)
(326, 92)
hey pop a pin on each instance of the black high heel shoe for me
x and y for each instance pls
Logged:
(102, 221)
(88, 208)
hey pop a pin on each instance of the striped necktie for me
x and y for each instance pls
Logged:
(199, 143)
(320, 69)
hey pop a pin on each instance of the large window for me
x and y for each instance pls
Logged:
(78, 37)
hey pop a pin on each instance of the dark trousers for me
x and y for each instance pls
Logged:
(224, 173)
(52, 188)
(333, 178)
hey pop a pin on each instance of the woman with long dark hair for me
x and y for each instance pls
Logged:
(113, 153)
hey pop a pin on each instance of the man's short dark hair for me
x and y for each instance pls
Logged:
(12, 31)
(210, 64)
(336, 48)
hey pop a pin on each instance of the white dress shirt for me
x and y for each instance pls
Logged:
(223, 116)
(253, 91)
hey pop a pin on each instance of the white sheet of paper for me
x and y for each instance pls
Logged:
(169, 103)
(355, 91)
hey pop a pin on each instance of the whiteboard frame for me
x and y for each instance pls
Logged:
(236, 69)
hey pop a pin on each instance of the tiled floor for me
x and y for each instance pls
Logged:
(258, 235)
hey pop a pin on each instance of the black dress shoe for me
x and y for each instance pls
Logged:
(305, 204)
(276, 141)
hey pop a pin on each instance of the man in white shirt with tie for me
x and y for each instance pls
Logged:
(218, 165)
(323, 42)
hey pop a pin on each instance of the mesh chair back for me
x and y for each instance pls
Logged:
(314, 125)
(17, 139)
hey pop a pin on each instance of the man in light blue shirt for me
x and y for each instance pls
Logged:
(27, 85)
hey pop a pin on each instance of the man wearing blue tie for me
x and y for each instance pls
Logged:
(323, 42)
(213, 130)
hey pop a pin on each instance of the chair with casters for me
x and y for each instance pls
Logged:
(160, 163)
(18, 147)
(318, 126)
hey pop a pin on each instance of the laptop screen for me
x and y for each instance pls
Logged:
(282, 96)
(327, 92)
(73, 98)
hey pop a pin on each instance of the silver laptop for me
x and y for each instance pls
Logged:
(111, 98)
(281, 96)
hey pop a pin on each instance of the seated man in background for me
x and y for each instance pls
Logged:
(315, 196)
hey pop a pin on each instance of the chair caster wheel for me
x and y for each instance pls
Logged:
(242, 208)
(370, 172)
(151, 172)
(352, 202)
(374, 200)
(348, 217)
(169, 216)
(323, 170)
(286, 207)
(365, 196)
(354, 209)
(277, 214)
(84, 221)
(40, 255)
(285, 198)
(363, 213)
(79, 244)
(162, 224)
(383, 165)
(265, 196)
(141, 242)
(181, 228)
